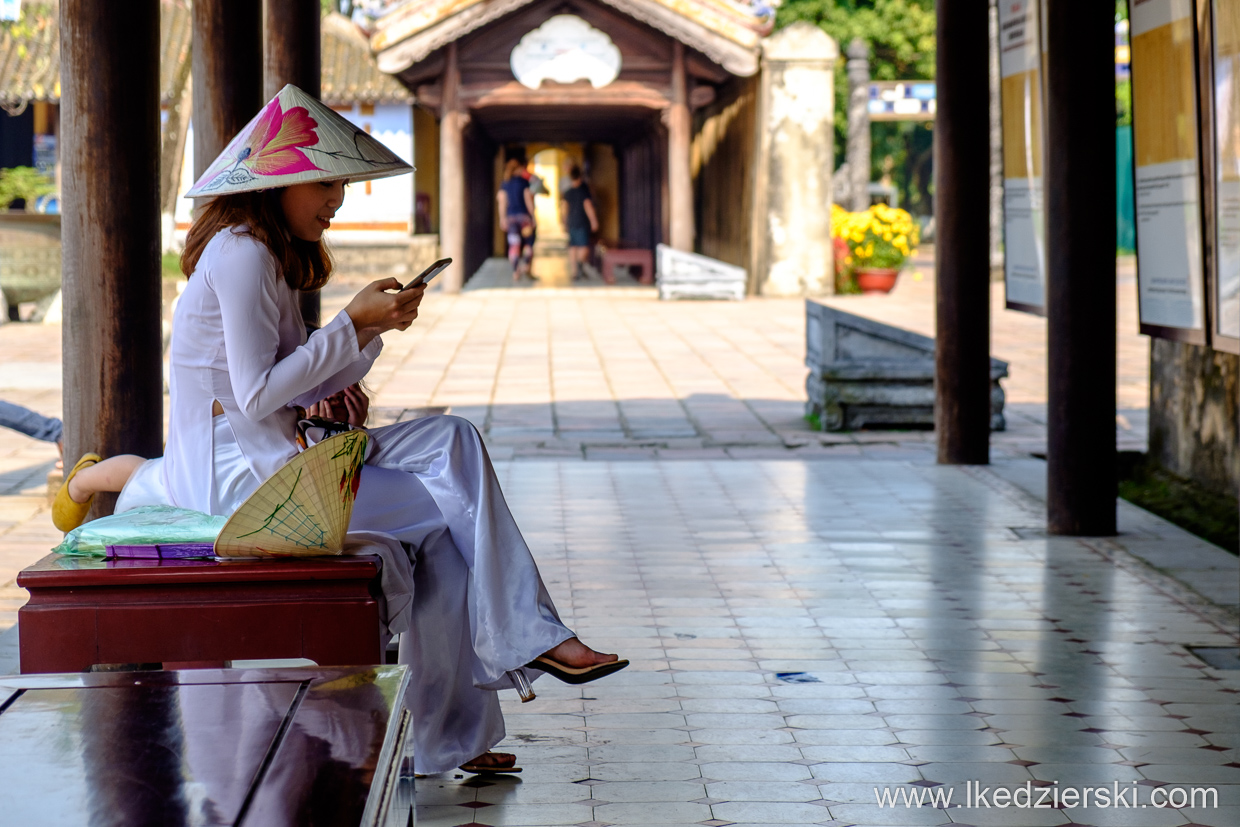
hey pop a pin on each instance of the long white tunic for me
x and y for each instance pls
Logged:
(238, 339)
(480, 608)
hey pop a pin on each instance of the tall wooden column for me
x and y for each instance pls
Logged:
(293, 54)
(1080, 233)
(293, 49)
(228, 73)
(113, 382)
(680, 179)
(453, 120)
(962, 253)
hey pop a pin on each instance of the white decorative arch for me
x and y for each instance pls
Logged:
(565, 49)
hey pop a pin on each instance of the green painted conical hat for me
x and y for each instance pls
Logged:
(296, 139)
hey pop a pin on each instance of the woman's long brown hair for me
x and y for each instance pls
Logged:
(306, 265)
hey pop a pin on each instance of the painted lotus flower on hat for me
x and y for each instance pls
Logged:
(296, 139)
(271, 147)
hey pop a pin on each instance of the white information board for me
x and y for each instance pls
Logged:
(1226, 93)
(1021, 101)
(1170, 269)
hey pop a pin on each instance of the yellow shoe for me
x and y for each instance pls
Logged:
(68, 513)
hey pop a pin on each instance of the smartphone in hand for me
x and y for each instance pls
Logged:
(428, 274)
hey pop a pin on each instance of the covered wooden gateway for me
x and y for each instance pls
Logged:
(639, 133)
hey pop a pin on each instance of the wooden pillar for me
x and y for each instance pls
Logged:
(680, 179)
(962, 263)
(293, 54)
(228, 73)
(293, 51)
(453, 120)
(1080, 233)
(113, 382)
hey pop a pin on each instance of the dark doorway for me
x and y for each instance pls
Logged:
(479, 197)
(643, 181)
(17, 139)
(634, 137)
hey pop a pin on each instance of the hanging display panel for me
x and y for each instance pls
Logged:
(1226, 96)
(1020, 100)
(1165, 130)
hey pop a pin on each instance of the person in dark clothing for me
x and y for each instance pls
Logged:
(516, 212)
(578, 214)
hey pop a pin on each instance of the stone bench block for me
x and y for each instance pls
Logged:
(692, 276)
(865, 373)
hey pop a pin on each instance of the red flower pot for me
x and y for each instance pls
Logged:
(876, 279)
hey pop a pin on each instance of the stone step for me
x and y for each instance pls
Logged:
(382, 259)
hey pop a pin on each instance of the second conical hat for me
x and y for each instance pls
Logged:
(304, 508)
(296, 139)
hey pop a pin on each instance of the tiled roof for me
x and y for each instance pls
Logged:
(30, 61)
(726, 31)
(349, 70)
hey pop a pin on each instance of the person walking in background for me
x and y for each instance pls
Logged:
(578, 215)
(537, 187)
(516, 212)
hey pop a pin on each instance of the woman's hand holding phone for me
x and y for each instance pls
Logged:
(375, 311)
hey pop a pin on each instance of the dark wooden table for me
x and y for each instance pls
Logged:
(84, 612)
(269, 747)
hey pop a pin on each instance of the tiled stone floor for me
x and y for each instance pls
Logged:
(803, 632)
(598, 374)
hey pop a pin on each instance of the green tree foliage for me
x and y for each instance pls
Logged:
(901, 37)
(900, 32)
(25, 183)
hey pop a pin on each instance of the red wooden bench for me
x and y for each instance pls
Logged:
(183, 613)
(643, 259)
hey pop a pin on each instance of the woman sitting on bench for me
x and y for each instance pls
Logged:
(241, 363)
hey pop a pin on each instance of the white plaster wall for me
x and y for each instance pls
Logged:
(390, 199)
(186, 205)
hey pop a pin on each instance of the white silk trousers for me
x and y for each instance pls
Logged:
(480, 607)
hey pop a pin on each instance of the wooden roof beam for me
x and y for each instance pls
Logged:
(618, 93)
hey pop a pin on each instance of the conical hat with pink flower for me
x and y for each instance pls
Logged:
(295, 139)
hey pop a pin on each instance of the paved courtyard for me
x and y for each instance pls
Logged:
(811, 616)
(600, 374)
(804, 632)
